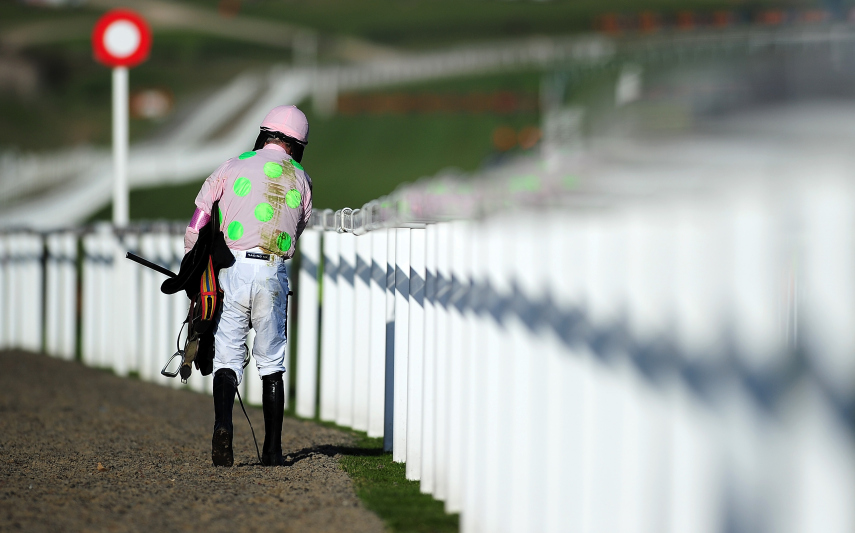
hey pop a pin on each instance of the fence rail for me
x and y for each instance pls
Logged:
(543, 358)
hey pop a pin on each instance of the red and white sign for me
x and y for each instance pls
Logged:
(121, 38)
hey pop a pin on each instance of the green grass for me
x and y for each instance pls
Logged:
(383, 487)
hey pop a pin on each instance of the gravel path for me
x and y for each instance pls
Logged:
(82, 449)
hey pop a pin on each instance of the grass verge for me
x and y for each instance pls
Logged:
(383, 487)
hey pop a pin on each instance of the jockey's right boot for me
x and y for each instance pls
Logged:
(225, 387)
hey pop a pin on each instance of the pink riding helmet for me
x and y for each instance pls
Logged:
(289, 120)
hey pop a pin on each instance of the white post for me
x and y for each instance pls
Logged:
(89, 329)
(377, 341)
(499, 504)
(105, 272)
(826, 471)
(362, 333)
(443, 294)
(22, 302)
(33, 293)
(116, 350)
(120, 146)
(131, 303)
(650, 272)
(415, 359)
(389, 378)
(604, 421)
(329, 328)
(481, 372)
(699, 291)
(68, 331)
(16, 258)
(53, 296)
(567, 276)
(428, 445)
(307, 323)
(164, 326)
(402, 319)
(148, 286)
(346, 327)
(756, 281)
(5, 302)
(459, 345)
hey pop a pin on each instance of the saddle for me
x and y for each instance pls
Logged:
(197, 277)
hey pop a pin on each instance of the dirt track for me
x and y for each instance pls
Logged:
(59, 421)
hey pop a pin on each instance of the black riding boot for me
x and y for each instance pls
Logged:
(273, 402)
(225, 387)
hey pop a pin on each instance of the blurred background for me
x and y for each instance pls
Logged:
(488, 82)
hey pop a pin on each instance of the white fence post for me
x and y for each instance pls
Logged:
(442, 346)
(105, 249)
(5, 296)
(459, 346)
(148, 288)
(346, 326)
(377, 325)
(17, 287)
(389, 378)
(402, 319)
(53, 294)
(89, 311)
(415, 353)
(32, 301)
(478, 371)
(822, 434)
(307, 323)
(329, 328)
(131, 274)
(362, 333)
(428, 441)
(164, 324)
(68, 284)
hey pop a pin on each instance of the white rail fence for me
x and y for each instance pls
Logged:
(62, 288)
(542, 359)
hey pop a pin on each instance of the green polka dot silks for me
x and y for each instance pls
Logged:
(292, 198)
(273, 170)
(242, 186)
(283, 241)
(246, 155)
(264, 212)
(297, 165)
(235, 230)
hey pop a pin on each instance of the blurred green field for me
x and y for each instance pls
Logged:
(427, 24)
(72, 99)
(355, 159)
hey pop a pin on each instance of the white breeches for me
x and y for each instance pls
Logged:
(256, 295)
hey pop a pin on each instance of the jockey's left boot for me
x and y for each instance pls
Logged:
(273, 404)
